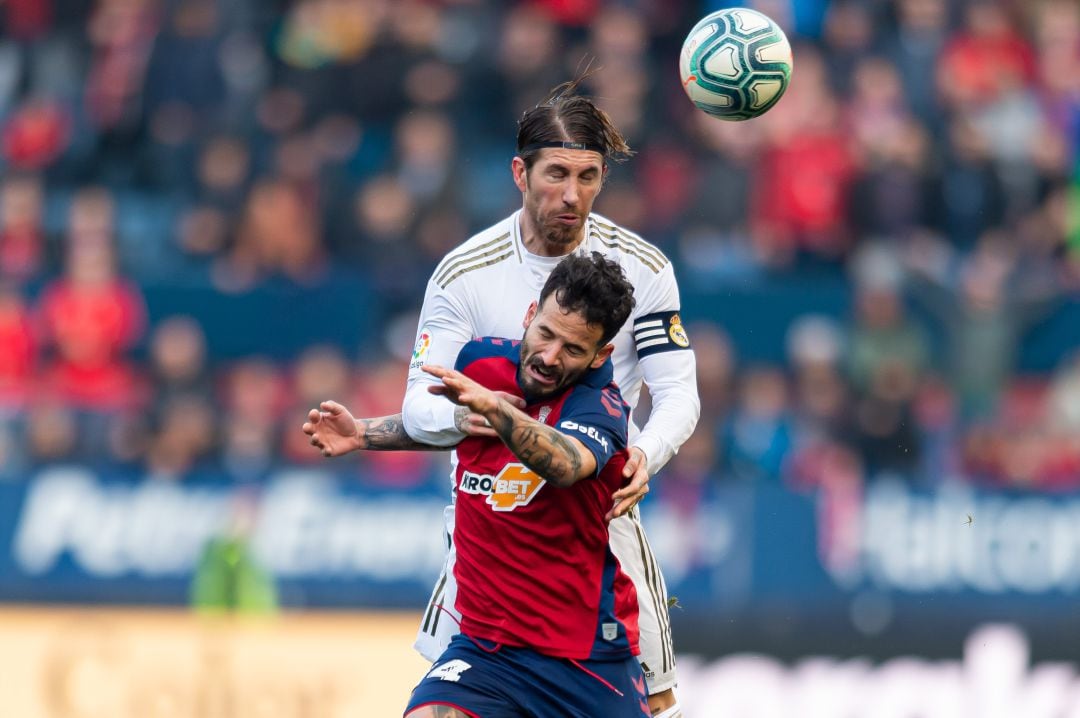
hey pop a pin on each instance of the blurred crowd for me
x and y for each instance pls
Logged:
(924, 157)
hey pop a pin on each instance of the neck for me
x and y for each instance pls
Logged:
(536, 244)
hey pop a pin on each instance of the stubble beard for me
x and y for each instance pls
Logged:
(555, 234)
(563, 237)
(538, 391)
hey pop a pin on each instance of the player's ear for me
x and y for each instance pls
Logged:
(519, 170)
(529, 314)
(601, 356)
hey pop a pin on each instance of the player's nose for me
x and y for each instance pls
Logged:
(549, 354)
(571, 193)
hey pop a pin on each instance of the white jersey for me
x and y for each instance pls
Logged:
(483, 288)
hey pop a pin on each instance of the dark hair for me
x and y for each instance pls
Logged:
(568, 117)
(595, 287)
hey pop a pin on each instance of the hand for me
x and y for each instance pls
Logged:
(473, 424)
(626, 498)
(463, 391)
(332, 429)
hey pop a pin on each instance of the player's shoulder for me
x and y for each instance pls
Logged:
(599, 382)
(600, 402)
(635, 254)
(487, 248)
(486, 348)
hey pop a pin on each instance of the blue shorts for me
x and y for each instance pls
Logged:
(516, 682)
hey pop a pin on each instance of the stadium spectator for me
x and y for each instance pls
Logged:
(221, 149)
(22, 235)
(799, 205)
(253, 396)
(91, 319)
(183, 429)
(18, 350)
(983, 319)
(757, 435)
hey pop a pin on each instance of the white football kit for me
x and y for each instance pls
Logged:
(483, 288)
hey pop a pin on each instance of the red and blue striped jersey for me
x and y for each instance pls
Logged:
(533, 564)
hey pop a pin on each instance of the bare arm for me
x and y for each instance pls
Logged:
(548, 452)
(558, 458)
(333, 430)
(387, 433)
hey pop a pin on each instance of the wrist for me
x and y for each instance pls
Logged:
(461, 418)
(359, 437)
(501, 408)
(649, 448)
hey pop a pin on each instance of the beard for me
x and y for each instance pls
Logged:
(557, 233)
(559, 379)
(551, 230)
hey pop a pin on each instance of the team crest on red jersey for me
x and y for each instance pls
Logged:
(514, 486)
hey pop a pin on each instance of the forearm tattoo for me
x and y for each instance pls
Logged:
(542, 448)
(461, 418)
(387, 433)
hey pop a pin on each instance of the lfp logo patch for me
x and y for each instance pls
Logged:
(514, 486)
(420, 350)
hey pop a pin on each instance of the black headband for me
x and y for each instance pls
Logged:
(561, 145)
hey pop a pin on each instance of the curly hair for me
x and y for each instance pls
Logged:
(595, 287)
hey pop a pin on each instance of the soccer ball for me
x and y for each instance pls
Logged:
(735, 64)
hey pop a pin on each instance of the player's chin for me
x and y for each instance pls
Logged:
(536, 390)
(562, 232)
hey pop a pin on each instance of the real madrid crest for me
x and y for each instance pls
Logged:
(677, 332)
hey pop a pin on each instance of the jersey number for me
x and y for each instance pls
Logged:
(607, 398)
(449, 671)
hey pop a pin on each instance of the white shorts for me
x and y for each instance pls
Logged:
(630, 546)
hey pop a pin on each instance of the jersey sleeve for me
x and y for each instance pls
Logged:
(598, 418)
(668, 368)
(444, 328)
(475, 349)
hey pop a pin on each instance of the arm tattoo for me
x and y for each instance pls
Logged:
(387, 433)
(543, 449)
(461, 418)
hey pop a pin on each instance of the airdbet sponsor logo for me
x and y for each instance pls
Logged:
(514, 486)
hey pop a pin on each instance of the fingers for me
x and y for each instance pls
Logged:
(637, 487)
(310, 427)
(631, 490)
(625, 500)
(332, 407)
(325, 450)
(477, 425)
(516, 401)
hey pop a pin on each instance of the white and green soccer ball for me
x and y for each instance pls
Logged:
(735, 64)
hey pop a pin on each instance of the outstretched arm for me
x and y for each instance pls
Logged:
(334, 431)
(558, 458)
